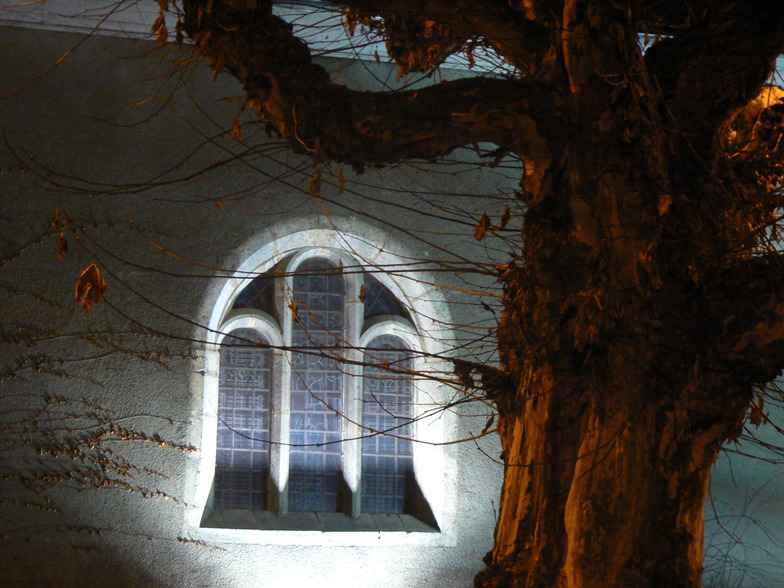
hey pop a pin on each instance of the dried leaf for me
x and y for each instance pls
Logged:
(62, 247)
(293, 307)
(90, 287)
(756, 416)
(159, 22)
(236, 130)
(163, 35)
(362, 293)
(58, 219)
(342, 181)
(507, 214)
(665, 200)
(481, 229)
(489, 424)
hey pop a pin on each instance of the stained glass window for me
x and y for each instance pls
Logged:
(316, 388)
(242, 458)
(319, 394)
(387, 399)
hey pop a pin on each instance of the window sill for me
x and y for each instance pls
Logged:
(321, 522)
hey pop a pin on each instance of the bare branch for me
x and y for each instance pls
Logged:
(323, 119)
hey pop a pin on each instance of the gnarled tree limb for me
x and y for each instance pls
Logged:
(327, 120)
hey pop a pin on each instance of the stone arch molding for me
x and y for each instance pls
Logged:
(429, 516)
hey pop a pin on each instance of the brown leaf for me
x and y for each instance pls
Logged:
(362, 293)
(236, 130)
(505, 217)
(480, 230)
(163, 35)
(342, 181)
(90, 287)
(489, 424)
(293, 307)
(62, 247)
(756, 416)
(665, 200)
(58, 219)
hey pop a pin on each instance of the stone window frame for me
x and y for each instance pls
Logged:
(426, 334)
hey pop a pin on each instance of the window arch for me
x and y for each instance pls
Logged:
(336, 347)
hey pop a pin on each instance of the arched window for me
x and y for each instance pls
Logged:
(316, 401)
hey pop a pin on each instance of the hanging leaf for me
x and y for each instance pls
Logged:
(488, 424)
(480, 230)
(756, 416)
(58, 221)
(293, 307)
(505, 217)
(362, 293)
(163, 35)
(90, 287)
(236, 130)
(665, 200)
(342, 181)
(62, 247)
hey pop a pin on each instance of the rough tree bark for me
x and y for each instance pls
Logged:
(641, 314)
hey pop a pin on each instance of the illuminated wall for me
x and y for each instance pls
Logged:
(134, 370)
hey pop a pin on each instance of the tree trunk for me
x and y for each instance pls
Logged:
(599, 498)
(620, 408)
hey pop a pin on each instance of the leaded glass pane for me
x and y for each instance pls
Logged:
(387, 409)
(257, 294)
(316, 388)
(242, 459)
(379, 300)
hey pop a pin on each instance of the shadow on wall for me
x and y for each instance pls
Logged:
(744, 538)
(67, 558)
(742, 548)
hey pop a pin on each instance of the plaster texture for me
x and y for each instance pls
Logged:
(107, 137)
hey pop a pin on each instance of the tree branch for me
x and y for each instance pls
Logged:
(327, 120)
(709, 70)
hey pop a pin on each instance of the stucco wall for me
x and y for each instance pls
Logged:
(78, 139)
